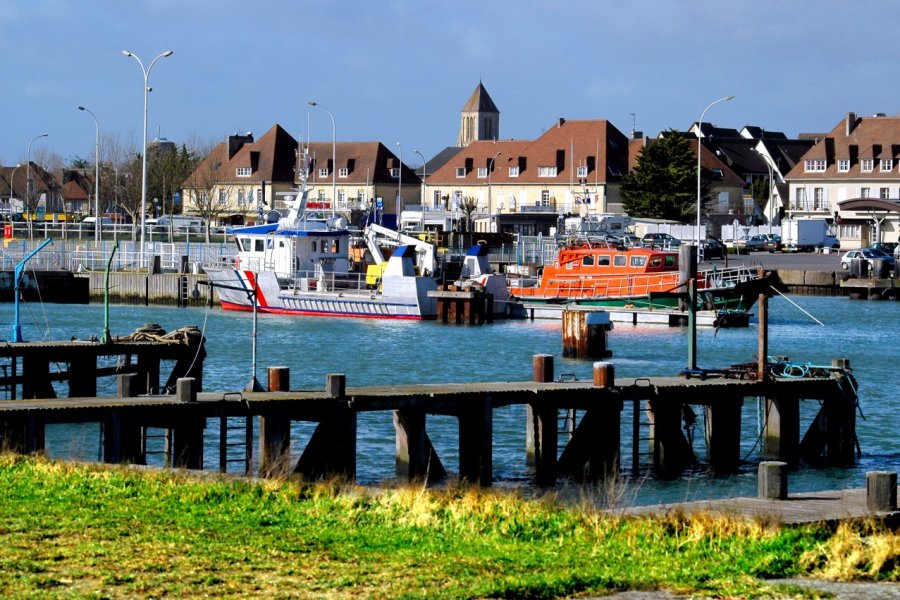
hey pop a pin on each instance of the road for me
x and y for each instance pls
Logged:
(806, 261)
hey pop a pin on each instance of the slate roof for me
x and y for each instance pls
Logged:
(480, 101)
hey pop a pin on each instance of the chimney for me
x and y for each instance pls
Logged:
(636, 135)
(851, 123)
(237, 141)
(560, 122)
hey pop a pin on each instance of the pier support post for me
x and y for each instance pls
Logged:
(83, 376)
(723, 430)
(332, 448)
(881, 491)
(148, 374)
(782, 434)
(36, 378)
(475, 442)
(122, 440)
(187, 443)
(274, 444)
(584, 333)
(415, 455)
(541, 372)
(772, 483)
(279, 379)
(671, 451)
(24, 435)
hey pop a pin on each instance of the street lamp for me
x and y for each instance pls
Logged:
(490, 208)
(399, 185)
(699, 149)
(29, 179)
(96, 175)
(146, 73)
(423, 178)
(11, 179)
(333, 155)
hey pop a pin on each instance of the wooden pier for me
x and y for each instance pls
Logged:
(590, 449)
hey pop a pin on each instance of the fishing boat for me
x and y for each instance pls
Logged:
(609, 275)
(300, 266)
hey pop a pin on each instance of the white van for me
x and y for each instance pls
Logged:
(89, 222)
(178, 223)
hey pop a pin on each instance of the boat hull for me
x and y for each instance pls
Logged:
(404, 298)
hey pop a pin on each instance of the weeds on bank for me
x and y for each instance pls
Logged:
(83, 530)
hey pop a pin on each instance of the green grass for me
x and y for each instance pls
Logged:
(70, 530)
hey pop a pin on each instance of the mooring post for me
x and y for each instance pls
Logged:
(335, 385)
(881, 491)
(772, 482)
(279, 379)
(186, 390)
(541, 372)
(126, 385)
(604, 374)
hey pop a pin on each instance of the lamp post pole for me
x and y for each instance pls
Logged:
(29, 179)
(11, 179)
(490, 207)
(423, 178)
(399, 206)
(770, 209)
(146, 73)
(333, 155)
(96, 174)
(699, 150)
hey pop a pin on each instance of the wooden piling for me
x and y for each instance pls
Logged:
(782, 429)
(541, 372)
(415, 456)
(279, 379)
(881, 491)
(584, 333)
(476, 442)
(723, 430)
(274, 443)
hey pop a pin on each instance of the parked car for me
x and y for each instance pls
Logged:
(869, 255)
(888, 248)
(712, 248)
(660, 240)
(752, 243)
(773, 242)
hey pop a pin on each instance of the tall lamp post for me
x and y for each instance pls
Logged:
(490, 207)
(770, 208)
(333, 155)
(423, 178)
(146, 73)
(399, 185)
(699, 149)
(29, 179)
(96, 174)
(11, 179)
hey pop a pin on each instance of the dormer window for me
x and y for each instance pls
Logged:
(243, 172)
(814, 166)
(886, 165)
(460, 172)
(395, 172)
(843, 165)
(343, 172)
(582, 171)
(546, 171)
(482, 172)
(866, 165)
(514, 171)
(323, 172)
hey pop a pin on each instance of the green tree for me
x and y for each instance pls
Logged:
(759, 191)
(663, 183)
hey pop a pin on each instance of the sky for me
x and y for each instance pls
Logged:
(401, 70)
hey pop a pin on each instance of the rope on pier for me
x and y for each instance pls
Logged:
(152, 332)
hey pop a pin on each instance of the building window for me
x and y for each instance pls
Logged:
(343, 172)
(843, 165)
(460, 171)
(545, 198)
(395, 172)
(323, 172)
(342, 197)
(514, 171)
(884, 193)
(243, 172)
(818, 198)
(482, 172)
(223, 197)
(866, 165)
(801, 198)
(864, 192)
(582, 171)
(546, 171)
(814, 166)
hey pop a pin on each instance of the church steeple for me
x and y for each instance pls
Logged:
(480, 118)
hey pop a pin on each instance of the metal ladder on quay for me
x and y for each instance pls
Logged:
(228, 427)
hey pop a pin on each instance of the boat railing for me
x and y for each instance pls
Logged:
(324, 281)
(727, 277)
(596, 287)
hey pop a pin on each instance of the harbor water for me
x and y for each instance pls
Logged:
(377, 352)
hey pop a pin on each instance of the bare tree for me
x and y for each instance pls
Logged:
(203, 188)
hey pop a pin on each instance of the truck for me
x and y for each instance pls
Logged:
(807, 235)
